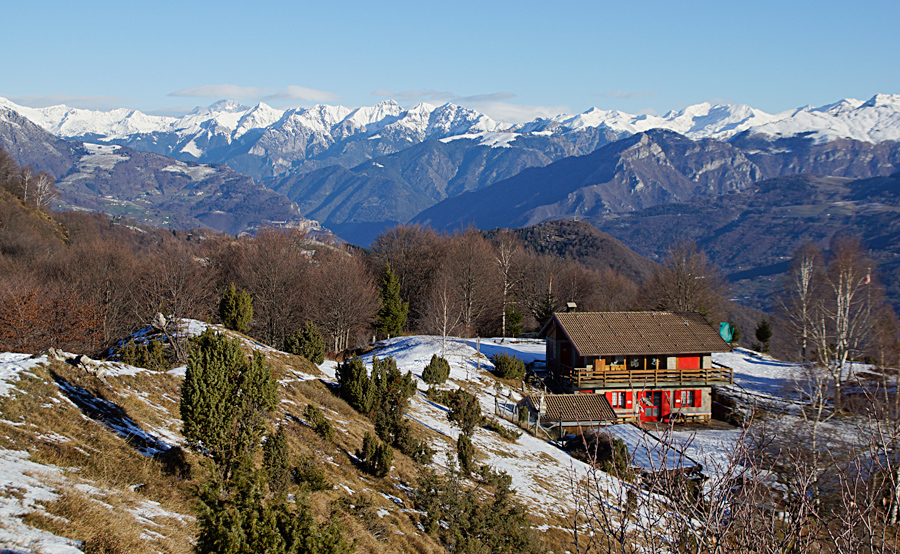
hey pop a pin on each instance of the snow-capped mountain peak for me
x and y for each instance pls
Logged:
(884, 100)
(288, 137)
(257, 117)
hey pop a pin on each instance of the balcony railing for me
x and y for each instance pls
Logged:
(590, 377)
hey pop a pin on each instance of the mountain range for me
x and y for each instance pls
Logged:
(262, 141)
(358, 171)
(149, 188)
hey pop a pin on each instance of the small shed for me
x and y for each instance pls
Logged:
(567, 412)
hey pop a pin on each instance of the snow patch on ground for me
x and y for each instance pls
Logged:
(11, 365)
(195, 172)
(103, 158)
(540, 472)
(23, 485)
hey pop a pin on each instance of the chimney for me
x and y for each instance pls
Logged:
(571, 307)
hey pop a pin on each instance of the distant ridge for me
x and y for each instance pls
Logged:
(262, 141)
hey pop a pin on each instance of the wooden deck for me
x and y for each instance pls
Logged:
(638, 378)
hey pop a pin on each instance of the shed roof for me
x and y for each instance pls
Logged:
(647, 452)
(638, 333)
(583, 408)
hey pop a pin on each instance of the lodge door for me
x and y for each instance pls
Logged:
(565, 354)
(652, 403)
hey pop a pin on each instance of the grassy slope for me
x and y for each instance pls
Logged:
(94, 487)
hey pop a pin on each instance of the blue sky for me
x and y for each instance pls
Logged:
(512, 60)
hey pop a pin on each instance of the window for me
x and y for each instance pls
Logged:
(634, 362)
(618, 360)
(617, 399)
(652, 363)
(652, 403)
(687, 398)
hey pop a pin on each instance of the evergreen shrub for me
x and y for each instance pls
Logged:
(508, 367)
(319, 423)
(276, 461)
(236, 309)
(375, 456)
(149, 354)
(306, 342)
(437, 370)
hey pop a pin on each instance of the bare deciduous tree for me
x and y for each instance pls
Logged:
(801, 295)
(778, 496)
(843, 319)
(344, 298)
(44, 189)
(274, 268)
(686, 282)
(178, 285)
(443, 316)
(415, 254)
(468, 266)
(507, 254)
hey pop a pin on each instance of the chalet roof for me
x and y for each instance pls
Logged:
(573, 407)
(647, 452)
(638, 333)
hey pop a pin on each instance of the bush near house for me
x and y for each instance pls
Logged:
(508, 367)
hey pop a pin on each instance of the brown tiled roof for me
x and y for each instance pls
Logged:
(640, 333)
(573, 407)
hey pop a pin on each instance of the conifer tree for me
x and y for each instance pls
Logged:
(236, 309)
(276, 460)
(465, 411)
(225, 400)
(319, 422)
(240, 520)
(437, 370)
(465, 451)
(764, 334)
(545, 309)
(354, 383)
(391, 393)
(514, 318)
(375, 456)
(391, 317)
(306, 342)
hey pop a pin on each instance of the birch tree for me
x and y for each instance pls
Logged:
(844, 320)
(442, 316)
(802, 294)
(507, 251)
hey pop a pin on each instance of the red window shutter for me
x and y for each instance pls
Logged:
(689, 362)
(609, 398)
(698, 398)
(676, 399)
(628, 400)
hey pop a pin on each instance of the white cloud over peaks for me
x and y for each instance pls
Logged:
(627, 94)
(515, 113)
(291, 93)
(220, 91)
(430, 95)
(85, 102)
(426, 95)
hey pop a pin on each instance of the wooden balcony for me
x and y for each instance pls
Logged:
(614, 377)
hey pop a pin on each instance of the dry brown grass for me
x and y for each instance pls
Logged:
(104, 523)
(55, 432)
(99, 457)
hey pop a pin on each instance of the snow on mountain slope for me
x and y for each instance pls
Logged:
(540, 471)
(875, 120)
(257, 117)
